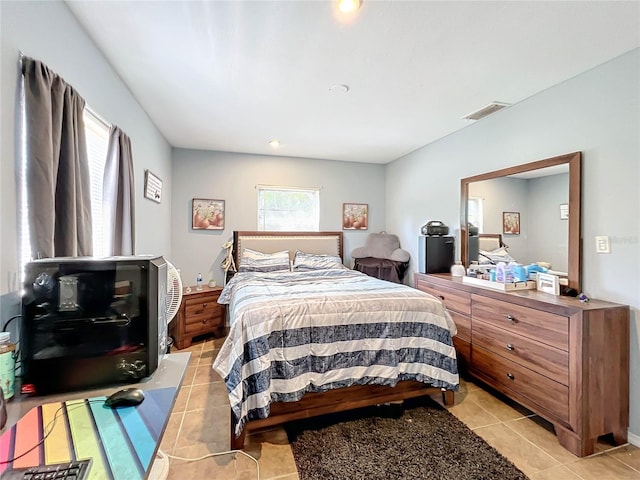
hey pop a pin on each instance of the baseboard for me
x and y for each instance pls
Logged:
(633, 439)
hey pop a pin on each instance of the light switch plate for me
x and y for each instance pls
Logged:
(602, 244)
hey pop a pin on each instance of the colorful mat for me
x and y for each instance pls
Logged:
(122, 441)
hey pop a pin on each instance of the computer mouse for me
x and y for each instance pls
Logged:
(126, 397)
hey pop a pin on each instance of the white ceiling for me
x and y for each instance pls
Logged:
(232, 75)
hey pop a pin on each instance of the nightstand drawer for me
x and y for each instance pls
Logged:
(204, 321)
(201, 306)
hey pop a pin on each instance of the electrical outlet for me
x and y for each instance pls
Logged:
(603, 245)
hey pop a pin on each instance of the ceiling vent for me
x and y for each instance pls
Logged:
(486, 110)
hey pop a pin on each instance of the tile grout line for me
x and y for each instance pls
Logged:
(535, 445)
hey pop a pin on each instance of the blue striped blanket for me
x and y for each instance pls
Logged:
(312, 331)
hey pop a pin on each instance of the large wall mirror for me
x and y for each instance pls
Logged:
(535, 208)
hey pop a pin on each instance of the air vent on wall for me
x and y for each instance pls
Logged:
(486, 110)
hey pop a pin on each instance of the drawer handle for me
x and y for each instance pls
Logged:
(204, 305)
(205, 320)
(511, 376)
(510, 318)
(510, 347)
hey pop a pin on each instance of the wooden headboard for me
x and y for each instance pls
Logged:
(329, 243)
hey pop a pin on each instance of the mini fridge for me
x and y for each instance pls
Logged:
(435, 253)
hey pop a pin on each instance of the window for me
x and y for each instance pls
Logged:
(288, 209)
(97, 136)
(97, 133)
(474, 212)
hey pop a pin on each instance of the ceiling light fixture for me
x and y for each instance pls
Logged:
(339, 88)
(348, 6)
(274, 143)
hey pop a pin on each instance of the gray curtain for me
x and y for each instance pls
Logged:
(57, 169)
(118, 196)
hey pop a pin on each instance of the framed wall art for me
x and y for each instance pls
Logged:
(511, 223)
(207, 214)
(152, 187)
(564, 211)
(355, 216)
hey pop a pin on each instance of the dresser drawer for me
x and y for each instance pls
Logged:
(543, 326)
(539, 357)
(542, 391)
(463, 324)
(455, 300)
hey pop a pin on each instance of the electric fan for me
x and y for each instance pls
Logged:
(160, 467)
(174, 291)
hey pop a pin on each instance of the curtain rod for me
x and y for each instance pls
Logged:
(98, 117)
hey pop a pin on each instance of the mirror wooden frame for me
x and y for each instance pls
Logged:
(574, 160)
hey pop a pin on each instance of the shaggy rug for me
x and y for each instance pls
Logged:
(417, 440)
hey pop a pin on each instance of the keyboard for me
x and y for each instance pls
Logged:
(77, 470)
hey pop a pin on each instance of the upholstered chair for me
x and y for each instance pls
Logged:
(382, 257)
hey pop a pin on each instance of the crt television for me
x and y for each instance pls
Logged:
(90, 322)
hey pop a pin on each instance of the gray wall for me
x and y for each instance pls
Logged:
(596, 113)
(233, 177)
(48, 31)
(547, 234)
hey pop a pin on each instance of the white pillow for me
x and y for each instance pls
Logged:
(253, 261)
(495, 256)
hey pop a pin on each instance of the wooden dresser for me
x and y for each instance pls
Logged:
(565, 360)
(199, 314)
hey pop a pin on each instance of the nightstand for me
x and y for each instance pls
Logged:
(199, 314)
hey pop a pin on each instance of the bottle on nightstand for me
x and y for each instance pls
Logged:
(199, 282)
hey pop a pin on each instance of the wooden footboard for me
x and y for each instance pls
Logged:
(339, 400)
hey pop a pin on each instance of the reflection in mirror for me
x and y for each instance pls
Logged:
(542, 235)
(545, 195)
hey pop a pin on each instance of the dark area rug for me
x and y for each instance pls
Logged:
(417, 440)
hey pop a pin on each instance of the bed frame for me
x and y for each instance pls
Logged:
(314, 404)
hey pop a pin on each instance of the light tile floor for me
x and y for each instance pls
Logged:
(199, 425)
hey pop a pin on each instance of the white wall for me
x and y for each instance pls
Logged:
(597, 113)
(47, 31)
(233, 177)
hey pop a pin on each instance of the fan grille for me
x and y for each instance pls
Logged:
(174, 291)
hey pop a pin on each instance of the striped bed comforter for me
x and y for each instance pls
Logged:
(298, 332)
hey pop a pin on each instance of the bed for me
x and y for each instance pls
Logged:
(492, 249)
(309, 336)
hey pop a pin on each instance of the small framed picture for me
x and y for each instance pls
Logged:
(355, 216)
(548, 283)
(511, 223)
(152, 187)
(207, 214)
(564, 211)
